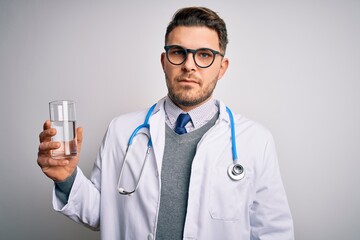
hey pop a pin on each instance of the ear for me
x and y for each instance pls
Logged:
(162, 59)
(223, 67)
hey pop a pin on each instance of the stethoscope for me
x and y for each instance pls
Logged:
(235, 170)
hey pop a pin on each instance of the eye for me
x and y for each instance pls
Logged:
(177, 51)
(204, 53)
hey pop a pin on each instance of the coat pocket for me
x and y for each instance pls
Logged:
(229, 199)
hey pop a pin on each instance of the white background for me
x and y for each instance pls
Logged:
(294, 67)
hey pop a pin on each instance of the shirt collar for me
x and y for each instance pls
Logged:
(199, 116)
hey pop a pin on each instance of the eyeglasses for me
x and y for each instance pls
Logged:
(203, 57)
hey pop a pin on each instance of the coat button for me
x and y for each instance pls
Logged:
(150, 236)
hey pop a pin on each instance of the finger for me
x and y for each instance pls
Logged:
(47, 125)
(45, 162)
(79, 137)
(57, 162)
(45, 147)
(45, 136)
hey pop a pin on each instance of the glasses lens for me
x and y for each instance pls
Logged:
(204, 57)
(176, 55)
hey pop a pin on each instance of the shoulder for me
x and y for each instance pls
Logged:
(244, 125)
(137, 117)
(121, 127)
(128, 118)
(253, 131)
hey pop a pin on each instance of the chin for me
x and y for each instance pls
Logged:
(187, 101)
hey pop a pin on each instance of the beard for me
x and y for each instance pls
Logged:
(187, 95)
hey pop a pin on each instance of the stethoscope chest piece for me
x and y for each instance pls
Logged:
(236, 171)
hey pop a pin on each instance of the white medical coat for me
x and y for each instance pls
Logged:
(255, 207)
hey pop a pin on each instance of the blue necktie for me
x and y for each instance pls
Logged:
(181, 121)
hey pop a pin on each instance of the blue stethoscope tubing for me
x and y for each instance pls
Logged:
(144, 125)
(235, 170)
(149, 146)
(233, 139)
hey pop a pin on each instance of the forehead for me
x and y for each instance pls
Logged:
(194, 37)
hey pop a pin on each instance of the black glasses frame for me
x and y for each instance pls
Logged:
(193, 51)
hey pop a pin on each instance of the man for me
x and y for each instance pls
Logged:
(185, 190)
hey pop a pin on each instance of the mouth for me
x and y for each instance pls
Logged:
(188, 81)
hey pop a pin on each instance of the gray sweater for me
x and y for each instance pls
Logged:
(175, 177)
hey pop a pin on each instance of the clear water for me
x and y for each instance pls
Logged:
(65, 134)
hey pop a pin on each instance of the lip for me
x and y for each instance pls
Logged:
(188, 80)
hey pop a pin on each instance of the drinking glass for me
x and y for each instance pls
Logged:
(63, 119)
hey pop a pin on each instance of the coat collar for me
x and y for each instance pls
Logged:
(223, 116)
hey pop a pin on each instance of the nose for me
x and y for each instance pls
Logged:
(189, 63)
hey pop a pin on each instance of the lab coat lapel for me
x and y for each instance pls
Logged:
(157, 132)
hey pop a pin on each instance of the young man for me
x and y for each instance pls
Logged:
(185, 190)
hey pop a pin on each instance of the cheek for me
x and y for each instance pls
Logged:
(216, 73)
(170, 72)
(210, 76)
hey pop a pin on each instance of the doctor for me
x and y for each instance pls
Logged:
(185, 190)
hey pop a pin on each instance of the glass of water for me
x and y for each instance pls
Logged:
(63, 119)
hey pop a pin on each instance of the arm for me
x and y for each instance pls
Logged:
(62, 189)
(82, 203)
(270, 216)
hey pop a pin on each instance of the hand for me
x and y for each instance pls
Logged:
(56, 169)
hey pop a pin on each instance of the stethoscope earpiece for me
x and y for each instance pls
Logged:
(236, 171)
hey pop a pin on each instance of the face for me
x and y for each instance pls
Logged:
(188, 85)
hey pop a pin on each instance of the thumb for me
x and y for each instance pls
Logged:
(79, 138)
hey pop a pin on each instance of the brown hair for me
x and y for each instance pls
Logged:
(199, 16)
